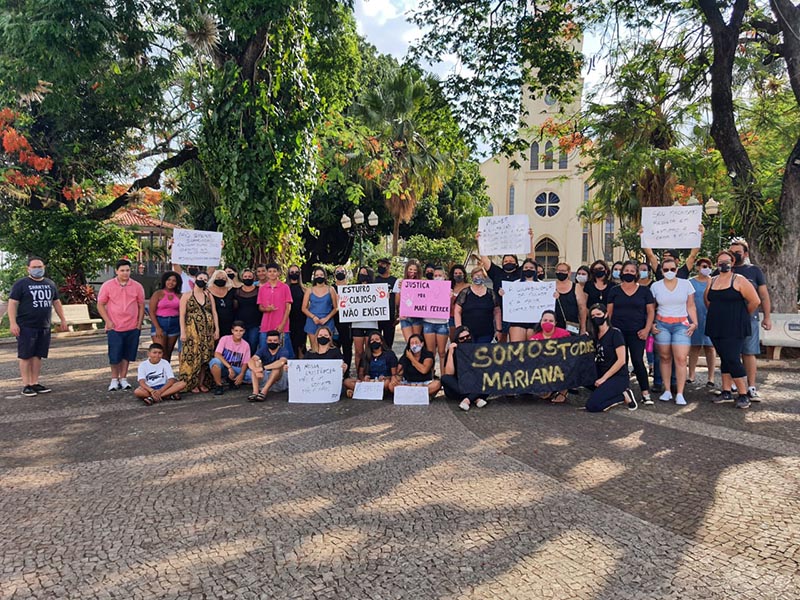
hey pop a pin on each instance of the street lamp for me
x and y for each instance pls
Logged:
(360, 229)
(712, 210)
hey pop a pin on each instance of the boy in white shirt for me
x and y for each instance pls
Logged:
(156, 379)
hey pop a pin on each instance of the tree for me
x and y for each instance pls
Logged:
(444, 251)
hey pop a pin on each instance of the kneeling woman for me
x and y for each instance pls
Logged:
(452, 389)
(611, 386)
(378, 363)
(416, 366)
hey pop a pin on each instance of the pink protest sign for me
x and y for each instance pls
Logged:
(425, 298)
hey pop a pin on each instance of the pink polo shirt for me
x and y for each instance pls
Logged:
(278, 296)
(122, 303)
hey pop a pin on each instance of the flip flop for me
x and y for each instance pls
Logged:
(555, 399)
(148, 401)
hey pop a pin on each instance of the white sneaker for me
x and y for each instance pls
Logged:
(464, 404)
(753, 394)
(666, 396)
(680, 400)
(480, 403)
(113, 386)
(124, 385)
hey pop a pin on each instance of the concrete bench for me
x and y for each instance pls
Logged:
(77, 315)
(785, 333)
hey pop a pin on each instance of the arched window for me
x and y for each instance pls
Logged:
(511, 200)
(563, 163)
(535, 156)
(547, 204)
(548, 155)
(547, 255)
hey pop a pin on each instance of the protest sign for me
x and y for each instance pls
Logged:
(671, 226)
(425, 299)
(315, 381)
(368, 390)
(524, 301)
(195, 247)
(411, 395)
(533, 367)
(509, 234)
(364, 302)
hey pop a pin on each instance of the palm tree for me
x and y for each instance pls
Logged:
(412, 166)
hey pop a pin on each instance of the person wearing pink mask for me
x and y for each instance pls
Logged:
(547, 330)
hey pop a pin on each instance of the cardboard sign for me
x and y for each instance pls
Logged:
(411, 395)
(671, 226)
(534, 367)
(524, 301)
(195, 247)
(364, 302)
(315, 381)
(368, 390)
(504, 235)
(425, 299)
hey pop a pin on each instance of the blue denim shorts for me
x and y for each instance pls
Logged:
(410, 322)
(672, 334)
(437, 328)
(171, 326)
(217, 362)
(752, 345)
(122, 345)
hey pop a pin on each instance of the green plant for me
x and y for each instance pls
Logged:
(445, 252)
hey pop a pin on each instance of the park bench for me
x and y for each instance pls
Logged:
(77, 315)
(785, 333)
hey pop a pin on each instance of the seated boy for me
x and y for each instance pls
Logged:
(156, 379)
(269, 365)
(232, 354)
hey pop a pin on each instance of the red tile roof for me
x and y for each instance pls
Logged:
(131, 217)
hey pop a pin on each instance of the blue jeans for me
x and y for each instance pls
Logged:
(215, 361)
(251, 335)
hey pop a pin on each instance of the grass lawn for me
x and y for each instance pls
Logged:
(5, 330)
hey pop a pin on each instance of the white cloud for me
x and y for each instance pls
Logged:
(379, 11)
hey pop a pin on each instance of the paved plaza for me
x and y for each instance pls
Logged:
(214, 497)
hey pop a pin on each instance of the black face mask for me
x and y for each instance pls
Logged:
(220, 282)
(528, 273)
(509, 267)
(248, 281)
(201, 283)
(598, 321)
(458, 278)
(428, 274)
(724, 268)
(340, 276)
(600, 273)
(628, 277)
(319, 280)
(363, 279)
(562, 276)
(193, 271)
(294, 276)
(375, 345)
(383, 270)
(738, 257)
(273, 345)
(323, 341)
(231, 276)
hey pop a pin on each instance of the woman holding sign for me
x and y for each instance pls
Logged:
(326, 350)
(519, 332)
(437, 331)
(361, 329)
(320, 304)
(415, 367)
(199, 330)
(408, 325)
(378, 364)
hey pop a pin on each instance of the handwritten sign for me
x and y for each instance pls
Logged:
(671, 226)
(315, 381)
(535, 367)
(411, 395)
(364, 302)
(509, 234)
(425, 299)
(524, 301)
(368, 390)
(195, 247)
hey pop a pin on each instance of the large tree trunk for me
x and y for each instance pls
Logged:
(395, 235)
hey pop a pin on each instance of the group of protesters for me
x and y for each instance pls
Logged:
(232, 328)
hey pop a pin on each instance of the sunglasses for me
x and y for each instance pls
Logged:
(672, 270)
(722, 264)
(465, 339)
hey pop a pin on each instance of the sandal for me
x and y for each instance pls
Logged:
(252, 398)
(203, 389)
(559, 398)
(176, 396)
(148, 401)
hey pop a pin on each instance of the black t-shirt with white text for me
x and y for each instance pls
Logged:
(606, 352)
(35, 302)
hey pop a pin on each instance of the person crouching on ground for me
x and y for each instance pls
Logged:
(547, 330)
(415, 367)
(452, 388)
(232, 354)
(379, 363)
(268, 366)
(156, 379)
(611, 386)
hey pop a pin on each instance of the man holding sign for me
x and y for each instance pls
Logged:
(671, 227)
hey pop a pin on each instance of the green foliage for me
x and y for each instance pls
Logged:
(13, 269)
(445, 252)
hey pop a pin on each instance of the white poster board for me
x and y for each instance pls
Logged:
(368, 390)
(671, 226)
(364, 302)
(524, 301)
(411, 395)
(509, 234)
(315, 381)
(196, 247)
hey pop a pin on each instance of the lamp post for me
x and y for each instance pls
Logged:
(712, 210)
(360, 229)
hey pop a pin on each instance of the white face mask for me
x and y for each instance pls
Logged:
(705, 271)
(415, 348)
(581, 278)
(670, 275)
(438, 278)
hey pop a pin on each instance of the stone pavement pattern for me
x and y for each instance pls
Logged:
(101, 497)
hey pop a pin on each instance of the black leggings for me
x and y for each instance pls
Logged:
(346, 342)
(452, 391)
(608, 394)
(730, 356)
(634, 348)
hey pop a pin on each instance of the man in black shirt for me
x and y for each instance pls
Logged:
(30, 305)
(387, 328)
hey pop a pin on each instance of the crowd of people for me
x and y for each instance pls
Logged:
(231, 328)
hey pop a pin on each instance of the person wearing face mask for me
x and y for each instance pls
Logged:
(221, 289)
(644, 275)
(631, 309)
(245, 302)
(595, 290)
(345, 330)
(415, 367)
(233, 275)
(616, 271)
(541, 274)
(683, 270)
(429, 268)
(320, 304)
(518, 332)
(269, 365)
(31, 303)
(297, 318)
(676, 320)
(458, 281)
(378, 363)
(326, 348)
(450, 384)
(384, 275)
(582, 275)
(477, 307)
(361, 329)
(611, 387)
(570, 307)
(437, 331)
(731, 301)
(700, 341)
(275, 304)
(199, 331)
(548, 330)
(408, 325)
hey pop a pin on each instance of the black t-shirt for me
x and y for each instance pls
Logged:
(389, 281)
(410, 372)
(296, 314)
(606, 352)
(498, 275)
(225, 312)
(247, 308)
(35, 302)
(752, 273)
(329, 354)
(630, 312)
(477, 312)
